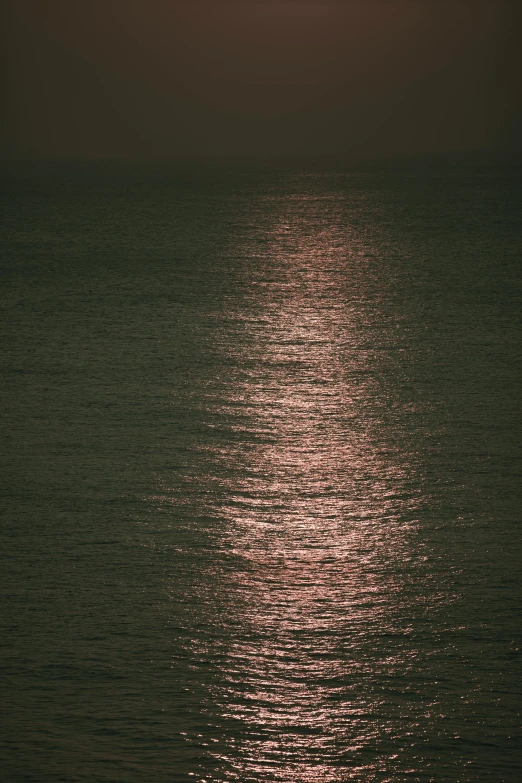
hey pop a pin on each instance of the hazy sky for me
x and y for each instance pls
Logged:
(178, 78)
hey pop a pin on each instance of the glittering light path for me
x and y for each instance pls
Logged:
(312, 495)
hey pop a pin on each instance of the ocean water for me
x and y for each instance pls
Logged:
(261, 474)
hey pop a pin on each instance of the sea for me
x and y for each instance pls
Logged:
(261, 462)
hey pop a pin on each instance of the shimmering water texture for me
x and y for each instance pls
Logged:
(264, 524)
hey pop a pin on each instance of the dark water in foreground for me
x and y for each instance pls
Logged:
(261, 469)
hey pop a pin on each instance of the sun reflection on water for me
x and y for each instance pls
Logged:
(313, 502)
(313, 507)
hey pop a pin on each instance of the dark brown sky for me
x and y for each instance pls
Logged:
(178, 78)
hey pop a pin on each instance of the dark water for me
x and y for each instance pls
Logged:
(261, 464)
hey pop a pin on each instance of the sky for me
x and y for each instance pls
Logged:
(177, 79)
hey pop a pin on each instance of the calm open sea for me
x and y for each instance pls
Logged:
(261, 464)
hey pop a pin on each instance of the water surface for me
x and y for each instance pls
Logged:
(261, 463)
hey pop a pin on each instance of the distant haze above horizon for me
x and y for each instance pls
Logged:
(129, 79)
